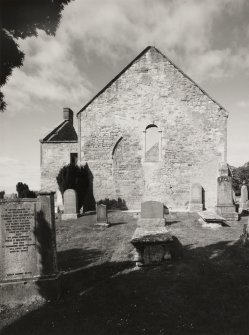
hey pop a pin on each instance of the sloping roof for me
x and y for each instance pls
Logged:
(132, 62)
(65, 132)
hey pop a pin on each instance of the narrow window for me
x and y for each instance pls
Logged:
(73, 158)
(151, 143)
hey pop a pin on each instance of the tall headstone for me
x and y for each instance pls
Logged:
(28, 261)
(101, 212)
(225, 206)
(243, 205)
(196, 198)
(70, 205)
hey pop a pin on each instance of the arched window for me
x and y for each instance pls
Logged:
(117, 153)
(152, 143)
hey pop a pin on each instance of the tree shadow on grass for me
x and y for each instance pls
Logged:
(77, 258)
(205, 292)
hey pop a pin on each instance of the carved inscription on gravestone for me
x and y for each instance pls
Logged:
(17, 240)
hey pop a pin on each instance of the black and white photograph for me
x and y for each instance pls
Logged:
(124, 167)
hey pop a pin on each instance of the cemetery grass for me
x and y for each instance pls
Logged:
(204, 292)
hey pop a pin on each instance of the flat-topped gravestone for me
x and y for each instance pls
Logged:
(28, 260)
(70, 205)
(153, 245)
(152, 214)
(196, 198)
(243, 205)
(211, 217)
(152, 210)
(101, 212)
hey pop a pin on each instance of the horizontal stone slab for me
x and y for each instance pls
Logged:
(209, 216)
(151, 235)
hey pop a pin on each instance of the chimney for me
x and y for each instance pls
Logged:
(68, 114)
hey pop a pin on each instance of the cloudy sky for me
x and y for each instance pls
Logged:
(208, 39)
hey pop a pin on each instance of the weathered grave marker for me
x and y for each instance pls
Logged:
(152, 214)
(28, 263)
(154, 245)
(101, 211)
(70, 205)
(225, 206)
(243, 205)
(152, 210)
(196, 198)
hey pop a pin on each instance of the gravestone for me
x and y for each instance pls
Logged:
(28, 261)
(101, 211)
(152, 214)
(243, 205)
(154, 245)
(152, 210)
(196, 198)
(225, 206)
(70, 205)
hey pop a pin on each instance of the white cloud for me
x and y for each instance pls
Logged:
(13, 171)
(115, 30)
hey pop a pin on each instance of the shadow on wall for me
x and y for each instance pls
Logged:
(113, 203)
(46, 246)
(209, 283)
(88, 198)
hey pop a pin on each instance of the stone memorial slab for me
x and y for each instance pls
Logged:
(209, 216)
(225, 206)
(70, 205)
(243, 204)
(196, 198)
(152, 214)
(152, 210)
(101, 211)
(28, 261)
(153, 245)
(18, 254)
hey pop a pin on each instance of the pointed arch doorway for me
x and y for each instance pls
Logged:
(127, 171)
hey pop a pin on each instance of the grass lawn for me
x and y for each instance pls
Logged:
(204, 292)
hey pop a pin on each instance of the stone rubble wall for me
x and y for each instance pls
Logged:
(193, 136)
(53, 157)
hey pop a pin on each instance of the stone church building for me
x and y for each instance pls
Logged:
(149, 134)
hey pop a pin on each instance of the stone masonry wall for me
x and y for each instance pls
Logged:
(53, 157)
(192, 136)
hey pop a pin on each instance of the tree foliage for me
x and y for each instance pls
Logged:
(24, 191)
(21, 19)
(238, 176)
(2, 193)
(80, 179)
